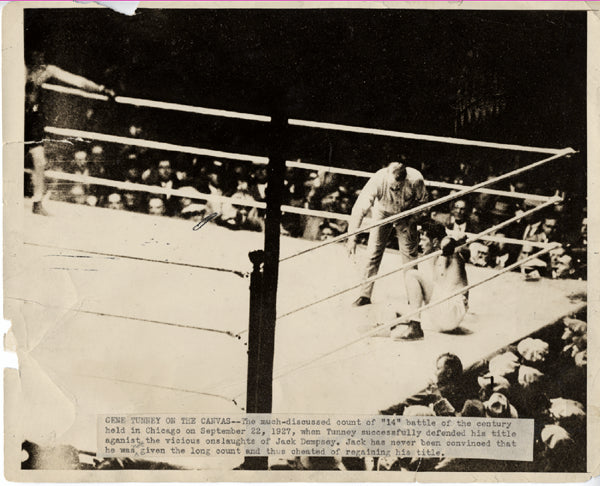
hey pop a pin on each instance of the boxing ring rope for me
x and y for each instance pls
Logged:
(416, 136)
(512, 241)
(142, 259)
(201, 196)
(196, 195)
(471, 238)
(168, 147)
(162, 105)
(441, 185)
(162, 387)
(402, 320)
(431, 204)
(78, 310)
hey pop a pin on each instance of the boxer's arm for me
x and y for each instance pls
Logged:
(453, 258)
(73, 79)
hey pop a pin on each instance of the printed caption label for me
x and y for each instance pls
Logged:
(164, 436)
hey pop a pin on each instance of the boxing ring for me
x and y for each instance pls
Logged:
(147, 315)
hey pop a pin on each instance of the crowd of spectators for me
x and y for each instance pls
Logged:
(195, 176)
(245, 182)
(542, 377)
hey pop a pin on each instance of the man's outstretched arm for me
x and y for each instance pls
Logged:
(361, 207)
(74, 80)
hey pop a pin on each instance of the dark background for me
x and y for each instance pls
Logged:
(513, 77)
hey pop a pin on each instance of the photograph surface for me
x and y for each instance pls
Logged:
(302, 244)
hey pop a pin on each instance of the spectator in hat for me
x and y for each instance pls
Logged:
(192, 207)
(498, 406)
(533, 269)
(505, 364)
(114, 201)
(236, 216)
(501, 211)
(528, 375)
(326, 232)
(560, 453)
(546, 232)
(449, 379)
(533, 351)
(569, 414)
(472, 408)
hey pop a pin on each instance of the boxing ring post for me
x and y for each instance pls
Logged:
(253, 384)
(256, 285)
(263, 288)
